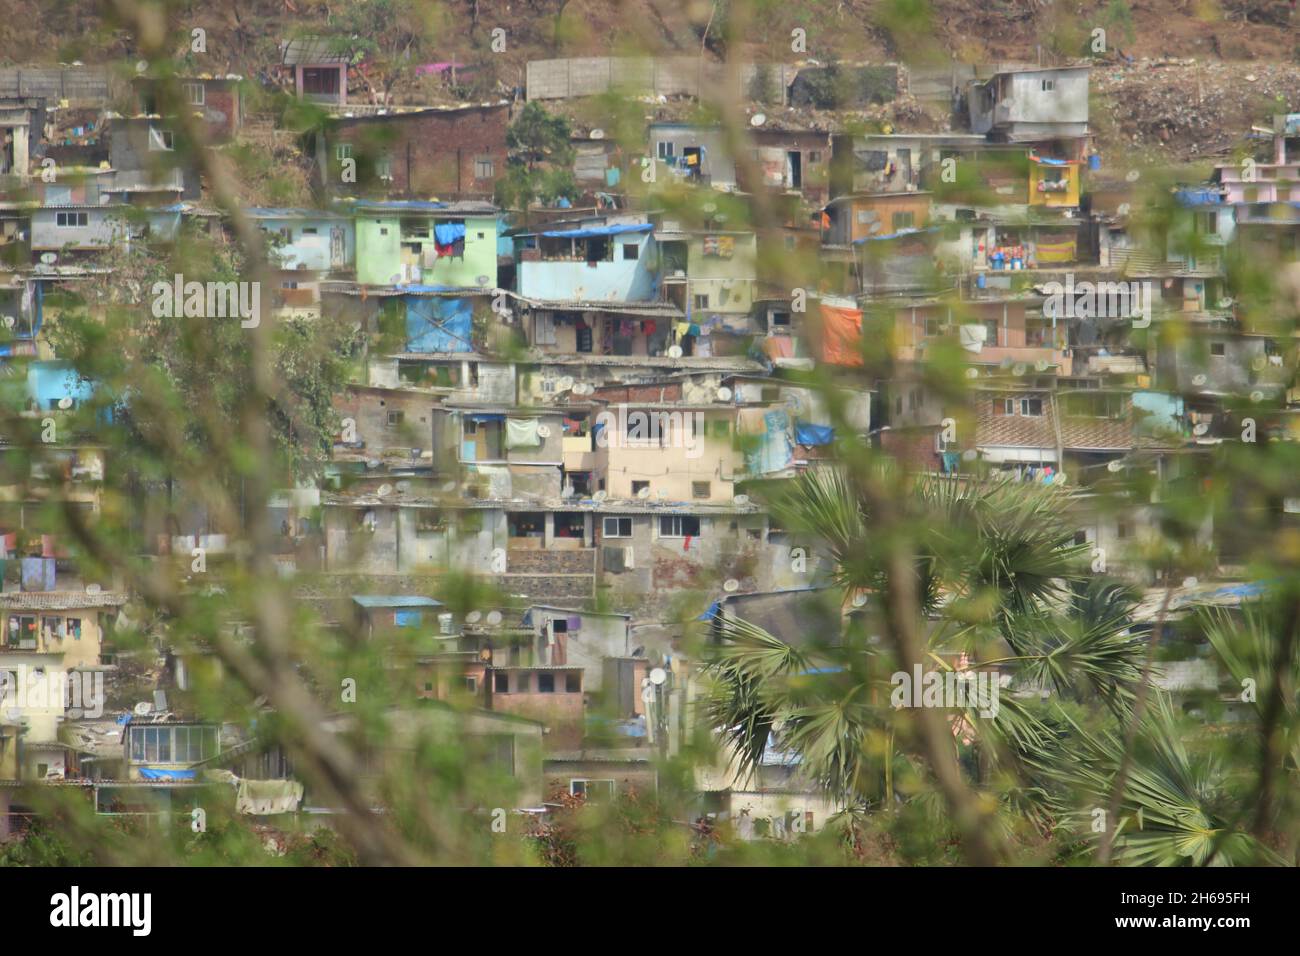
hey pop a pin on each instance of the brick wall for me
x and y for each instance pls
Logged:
(549, 588)
(550, 562)
(433, 153)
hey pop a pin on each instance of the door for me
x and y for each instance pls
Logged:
(337, 253)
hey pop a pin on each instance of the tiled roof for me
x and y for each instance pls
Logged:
(60, 600)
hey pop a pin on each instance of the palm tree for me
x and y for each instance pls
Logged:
(1000, 581)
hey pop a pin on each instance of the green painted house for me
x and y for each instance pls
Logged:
(405, 242)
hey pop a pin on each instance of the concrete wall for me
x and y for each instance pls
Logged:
(84, 85)
(620, 280)
(384, 257)
(665, 76)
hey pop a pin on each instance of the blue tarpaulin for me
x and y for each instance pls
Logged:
(153, 773)
(600, 231)
(1198, 197)
(448, 232)
(806, 434)
(711, 612)
(438, 324)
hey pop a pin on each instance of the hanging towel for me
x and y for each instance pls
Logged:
(522, 433)
(265, 797)
(575, 622)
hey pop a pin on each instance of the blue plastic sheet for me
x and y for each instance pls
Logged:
(439, 325)
(806, 434)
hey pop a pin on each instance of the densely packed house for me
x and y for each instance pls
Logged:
(602, 470)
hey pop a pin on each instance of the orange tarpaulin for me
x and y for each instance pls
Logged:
(841, 334)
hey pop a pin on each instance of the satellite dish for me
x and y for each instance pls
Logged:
(543, 431)
(675, 351)
(1115, 465)
(658, 676)
(1257, 396)
(494, 617)
(93, 589)
(972, 372)
(1133, 175)
(1198, 380)
(449, 486)
(597, 134)
(373, 462)
(859, 599)
(1018, 369)
(1201, 428)
(565, 383)
(875, 226)
(10, 321)
(1260, 362)
(730, 585)
(142, 708)
(65, 402)
(141, 66)
(758, 119)
(1042, 365)
(643, 493)
(384, 490)
(724, 394)
(482, 280)
(741, 499)
(1190, 582)
(473, 617)
(600, 496)
(710, 207)
(1123, 209)
(49, 258)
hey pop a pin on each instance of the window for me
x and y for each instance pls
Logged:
(631, 251)
(522, 685)
(617, 528)
(1080, 537)
(74, 628)
(702, 301)
(470, 685)
(592, 789)
(160, 139)
(546, 683)
(640, 486)
(572, 682)
(903, 220)
(815, 156)
(501, 683)
(70, 220)
(395, 417)
(991, 332)
(483, 167)
(428, 521)
(1123, 530)
(1049, 86)
(665, 150)
(700, 489)
(933, 327)
(679, 526)
(1205, 223)
(194, 94)
(1033, 407)
(343, 151)
(384, 167)
(1217, 349)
